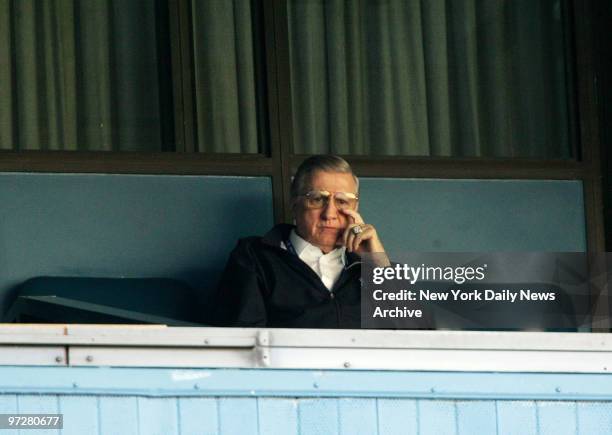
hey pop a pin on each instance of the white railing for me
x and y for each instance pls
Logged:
(161, 346)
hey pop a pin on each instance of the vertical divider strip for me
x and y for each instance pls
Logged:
(590, 152)
(279, 98)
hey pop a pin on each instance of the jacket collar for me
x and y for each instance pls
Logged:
(279, 233)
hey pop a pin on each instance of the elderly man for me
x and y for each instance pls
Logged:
(307, 275)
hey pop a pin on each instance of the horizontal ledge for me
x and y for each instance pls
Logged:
(303, 383)
(464, 168)
(160, 335)
(135, 163)
(33, 355)
(510, 361)
(258, 164)
(126, 335)
(352, 350)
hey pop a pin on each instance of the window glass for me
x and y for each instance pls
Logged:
(430, 78)
(226, 41)
(83, 75)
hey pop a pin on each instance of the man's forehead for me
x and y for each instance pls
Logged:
(337, 181)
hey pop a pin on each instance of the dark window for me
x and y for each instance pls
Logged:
(460, 78)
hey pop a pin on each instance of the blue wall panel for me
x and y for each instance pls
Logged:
(278, 416)
(594, 418)
(437, 417)
(8, 403)
(107, 414)
(86, 408)
(158, 416)
(238, 416)
(475, 215)
(476, 417)
(357, 416)
(557, 418)
(118, 415)
(125, 225)
(198, 415)
(516, 417)
(39, 404)
(318, 417)
(397, 416)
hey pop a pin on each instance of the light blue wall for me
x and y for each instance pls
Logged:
(165, 401)
(125, 225)
(125, 415)
(475, 215)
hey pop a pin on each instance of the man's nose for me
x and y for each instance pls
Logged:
(330, 211)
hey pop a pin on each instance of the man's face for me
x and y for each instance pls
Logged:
(323, 227)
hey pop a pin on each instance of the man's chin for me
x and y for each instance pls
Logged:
(327, 245)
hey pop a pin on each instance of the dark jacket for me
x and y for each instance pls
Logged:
(264, 285)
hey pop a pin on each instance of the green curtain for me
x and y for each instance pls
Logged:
(224, 68)
(429, 77)
(79, 75)
(386, 77)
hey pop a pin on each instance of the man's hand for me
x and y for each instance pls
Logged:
(366, 241)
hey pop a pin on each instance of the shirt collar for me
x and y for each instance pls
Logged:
(281, 232)
(302, 247)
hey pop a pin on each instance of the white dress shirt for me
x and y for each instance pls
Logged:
(327, 266)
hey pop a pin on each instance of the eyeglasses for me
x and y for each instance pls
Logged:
(320, 199)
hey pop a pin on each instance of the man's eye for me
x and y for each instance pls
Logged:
(342, 202)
